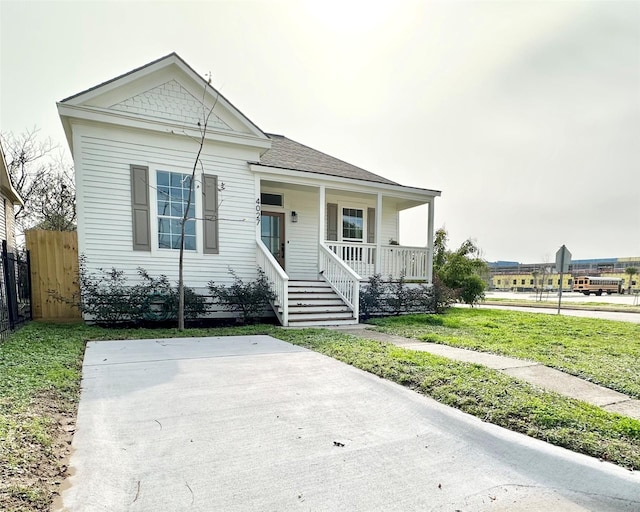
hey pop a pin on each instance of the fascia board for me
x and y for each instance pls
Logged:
(93, 114)
(5, 181)
(348, 184)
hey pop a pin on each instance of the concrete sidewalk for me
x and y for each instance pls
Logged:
(529, 371)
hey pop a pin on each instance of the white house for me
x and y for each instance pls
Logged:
(316, 225)
(9, 198)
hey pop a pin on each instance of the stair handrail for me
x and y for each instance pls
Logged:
(278, 279)
(341, 277)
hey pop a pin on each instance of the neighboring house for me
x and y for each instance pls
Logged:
(8, 198)
(316, 225)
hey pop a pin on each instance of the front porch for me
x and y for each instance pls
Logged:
(315, 234)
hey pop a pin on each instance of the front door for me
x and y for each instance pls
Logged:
(272, 234)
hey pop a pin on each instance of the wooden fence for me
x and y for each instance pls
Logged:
(54, 268)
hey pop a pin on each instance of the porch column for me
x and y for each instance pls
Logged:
(378, 233)
(430, 242)
(258, 207)
(322, 218)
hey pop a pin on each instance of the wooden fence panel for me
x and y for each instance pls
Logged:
(54, 266)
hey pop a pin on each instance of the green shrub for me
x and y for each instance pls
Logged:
(248, 299)
(106, 298)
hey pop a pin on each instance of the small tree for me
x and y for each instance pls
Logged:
(202, 126)
(630, 271)
(460, 270)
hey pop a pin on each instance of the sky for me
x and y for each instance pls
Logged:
(525, 114)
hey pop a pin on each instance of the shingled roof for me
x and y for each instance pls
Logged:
(289, 154)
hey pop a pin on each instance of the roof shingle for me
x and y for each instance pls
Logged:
(289, 154)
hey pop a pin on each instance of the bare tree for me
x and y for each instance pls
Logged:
(43, 180)
(185, 217)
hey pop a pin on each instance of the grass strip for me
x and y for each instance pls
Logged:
(605, 352)
(487, 394)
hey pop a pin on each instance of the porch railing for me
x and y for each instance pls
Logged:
(342, 278)
(279, 281)
(394, 259)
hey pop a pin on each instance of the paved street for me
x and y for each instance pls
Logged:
(253, 423)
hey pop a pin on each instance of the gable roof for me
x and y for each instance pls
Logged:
(68, 106)
(289, 154)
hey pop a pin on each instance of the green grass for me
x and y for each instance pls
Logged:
(551, 302)
(488, 394)
(40, 370)
(601, 351)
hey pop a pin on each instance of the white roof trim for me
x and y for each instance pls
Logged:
(5, 181)
(341, 183)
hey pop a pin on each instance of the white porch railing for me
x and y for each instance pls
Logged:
(342, 278)
(394, 259)
(279, 281)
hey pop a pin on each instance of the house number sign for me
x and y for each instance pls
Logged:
(258, 211)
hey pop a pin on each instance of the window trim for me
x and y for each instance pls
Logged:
(197, 203)
(363, 209)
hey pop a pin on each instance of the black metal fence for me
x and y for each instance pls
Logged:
(15, 290)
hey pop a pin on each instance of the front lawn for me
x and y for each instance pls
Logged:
(601, 351)
(40, 369)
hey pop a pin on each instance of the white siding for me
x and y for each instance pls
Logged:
(103, 158)
(389, 222)
(302, 236)
(3, 215)
(11, 223)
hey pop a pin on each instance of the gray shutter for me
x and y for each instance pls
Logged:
(210, 213)
(140, 208)
(332, 222)
(371, 225)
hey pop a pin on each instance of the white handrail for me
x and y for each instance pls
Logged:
(395, 260)
(279, 281)
(342, 278)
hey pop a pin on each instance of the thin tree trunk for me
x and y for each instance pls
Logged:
(185, 217)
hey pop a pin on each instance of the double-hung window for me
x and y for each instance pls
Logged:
(352, 224)
(173, 189)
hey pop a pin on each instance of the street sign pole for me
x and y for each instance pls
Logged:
(561, 278)
(563, 258)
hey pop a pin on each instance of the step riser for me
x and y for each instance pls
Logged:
(313, 296)
(319, 309)
(308, 284)
(319, 316)
(322, 322)
(319, 302)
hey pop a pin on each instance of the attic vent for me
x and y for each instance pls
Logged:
(271, 199)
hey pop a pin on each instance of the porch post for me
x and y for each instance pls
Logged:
(378, 233)
(258, 202)
(430, 242)
(322, 218)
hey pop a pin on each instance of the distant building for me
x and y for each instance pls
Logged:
(525, 277)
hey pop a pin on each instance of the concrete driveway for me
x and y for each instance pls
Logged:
(253, 423)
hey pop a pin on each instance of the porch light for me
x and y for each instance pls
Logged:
(294, 217)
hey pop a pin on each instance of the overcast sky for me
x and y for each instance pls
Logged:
(526, 115)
